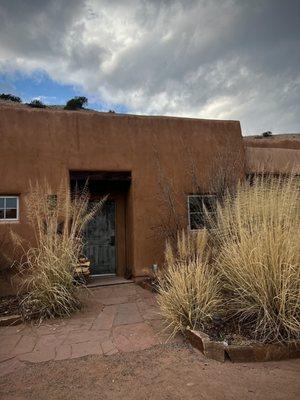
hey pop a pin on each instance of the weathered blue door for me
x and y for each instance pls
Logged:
(100, 245)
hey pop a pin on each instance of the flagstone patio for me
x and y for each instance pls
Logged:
(120, 318)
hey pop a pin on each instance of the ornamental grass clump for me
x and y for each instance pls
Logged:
(58, 223)
(257, 233)
(188, 290)
(251, 277)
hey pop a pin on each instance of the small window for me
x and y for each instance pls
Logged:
(9, 208)
(197, 204)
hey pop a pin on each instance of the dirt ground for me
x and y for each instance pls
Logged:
(165, 372)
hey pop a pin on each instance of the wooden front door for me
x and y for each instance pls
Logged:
(100, 246)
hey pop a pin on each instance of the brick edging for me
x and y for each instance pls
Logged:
(10, 320)
(254, 352)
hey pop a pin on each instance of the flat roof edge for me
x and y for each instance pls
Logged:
(24, 108)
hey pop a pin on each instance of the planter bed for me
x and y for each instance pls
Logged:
(251, 352)
(9, 311)
(8, 320)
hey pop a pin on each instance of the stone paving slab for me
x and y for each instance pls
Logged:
(105, 319)
(120, 318)
(26, 344)
(109, 347)
(134, 337)
(63, 352)
(127, 313)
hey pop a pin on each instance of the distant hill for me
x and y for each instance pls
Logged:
(283, 141)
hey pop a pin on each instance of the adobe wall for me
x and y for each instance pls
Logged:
(284, 141)
(276, 154)
(272, 160)
(38, 144)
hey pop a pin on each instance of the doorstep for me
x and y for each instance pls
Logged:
(96, 281)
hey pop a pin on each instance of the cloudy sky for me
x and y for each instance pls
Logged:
(226, 59)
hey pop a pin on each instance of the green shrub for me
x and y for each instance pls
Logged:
(36, 104)
(267, 134)
(76, 103)
(11, 97)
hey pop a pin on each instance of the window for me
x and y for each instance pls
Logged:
(197, 204)
(9, 208)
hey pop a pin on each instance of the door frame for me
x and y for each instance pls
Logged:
(118, 184)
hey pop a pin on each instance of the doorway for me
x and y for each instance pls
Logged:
(107, 236)
(100, 240)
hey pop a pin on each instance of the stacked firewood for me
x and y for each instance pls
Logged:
(82, 269)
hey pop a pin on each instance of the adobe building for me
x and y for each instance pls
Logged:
(276, 154)
(152, 168)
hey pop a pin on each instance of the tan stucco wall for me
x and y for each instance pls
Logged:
(38, 144)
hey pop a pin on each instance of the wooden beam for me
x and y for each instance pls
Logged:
(101, 175)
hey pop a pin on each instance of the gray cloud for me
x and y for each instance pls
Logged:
(34, 28)
(208, 58)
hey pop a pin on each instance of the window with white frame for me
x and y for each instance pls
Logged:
(9, 208)
(197, 206)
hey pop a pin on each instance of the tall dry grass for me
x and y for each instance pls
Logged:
(188, 291)
(58, 225)
(257, 235)
(251, 275)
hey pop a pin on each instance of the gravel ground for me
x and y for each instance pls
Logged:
(162, 372)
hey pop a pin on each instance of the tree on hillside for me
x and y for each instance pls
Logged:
(11, 97)
(76, 103)
(36, 104)
(267, 134)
